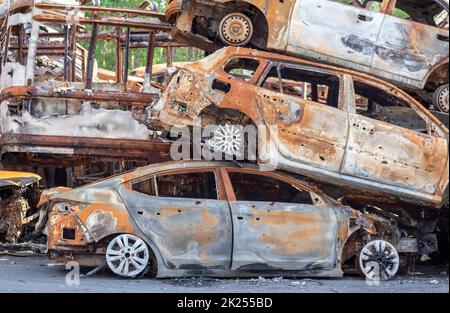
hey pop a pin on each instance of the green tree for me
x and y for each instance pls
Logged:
(106, 50)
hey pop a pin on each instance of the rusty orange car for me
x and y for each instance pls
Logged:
(218, 219)
(409, 49)
(330, 124)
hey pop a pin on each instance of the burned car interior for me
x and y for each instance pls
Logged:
(19, 196)
(250, 187)
(192, 185)
(308, 85)
(375, 103)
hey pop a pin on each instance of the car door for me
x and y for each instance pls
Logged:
(407, 48)
(276, 224)
(390, 143)
(304, 107)
(184, 215)
(334, 32)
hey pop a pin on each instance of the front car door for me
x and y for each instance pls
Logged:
(392, 144)
(185, 215)
(278, 225)
(334, 32)
(413, 40)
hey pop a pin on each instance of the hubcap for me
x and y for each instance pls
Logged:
(127, 255)
(379, 260)
(236, 29)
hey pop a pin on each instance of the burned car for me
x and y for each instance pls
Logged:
(409, 49)
(332, 125)
(218, 219)
(19, 193)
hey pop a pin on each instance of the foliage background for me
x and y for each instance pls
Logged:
(105, 53)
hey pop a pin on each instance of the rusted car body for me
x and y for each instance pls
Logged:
(333, 125)
(159, 72)
(211, 219)
(56, 102)
(19, 194)
(413, 53)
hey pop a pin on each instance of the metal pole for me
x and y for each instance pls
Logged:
(127, 56)
(91, 56)
(150, 57)
(66, 53)
(119, 56)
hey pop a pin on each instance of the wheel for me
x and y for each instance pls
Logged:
(127, 256)
(379, 260)
(236, 29)
(233, 142)
(227, 139)
(440, 99)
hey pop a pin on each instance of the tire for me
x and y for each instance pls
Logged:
(440, 98)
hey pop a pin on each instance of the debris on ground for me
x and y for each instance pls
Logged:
(22, 249)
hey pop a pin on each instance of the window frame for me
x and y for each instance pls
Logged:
(256, 75)
(322, 198)
(424, 114)
(218, 180)
(279, 64)
(392, 5)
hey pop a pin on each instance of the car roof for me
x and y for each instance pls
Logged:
(191, 164)
(17, 179)
(239, 51)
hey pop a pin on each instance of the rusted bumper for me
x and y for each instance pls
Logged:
(68, 240)
(65, 228)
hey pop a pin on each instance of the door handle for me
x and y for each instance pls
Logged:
(442, 37)
(365, 18)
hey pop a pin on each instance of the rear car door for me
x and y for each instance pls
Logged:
(183, 214)
(304, 107)
(334, 32)
(276, 225)
(411, 41)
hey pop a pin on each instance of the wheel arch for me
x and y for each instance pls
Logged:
(261, 33)
(352, 245)
(226, 114)
(438, 74)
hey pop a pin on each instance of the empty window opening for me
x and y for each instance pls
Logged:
(242, 68)
(428, 12)
(259, 188)
(146, 187)
(189, 185)
(312, 86)
(377, 104)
